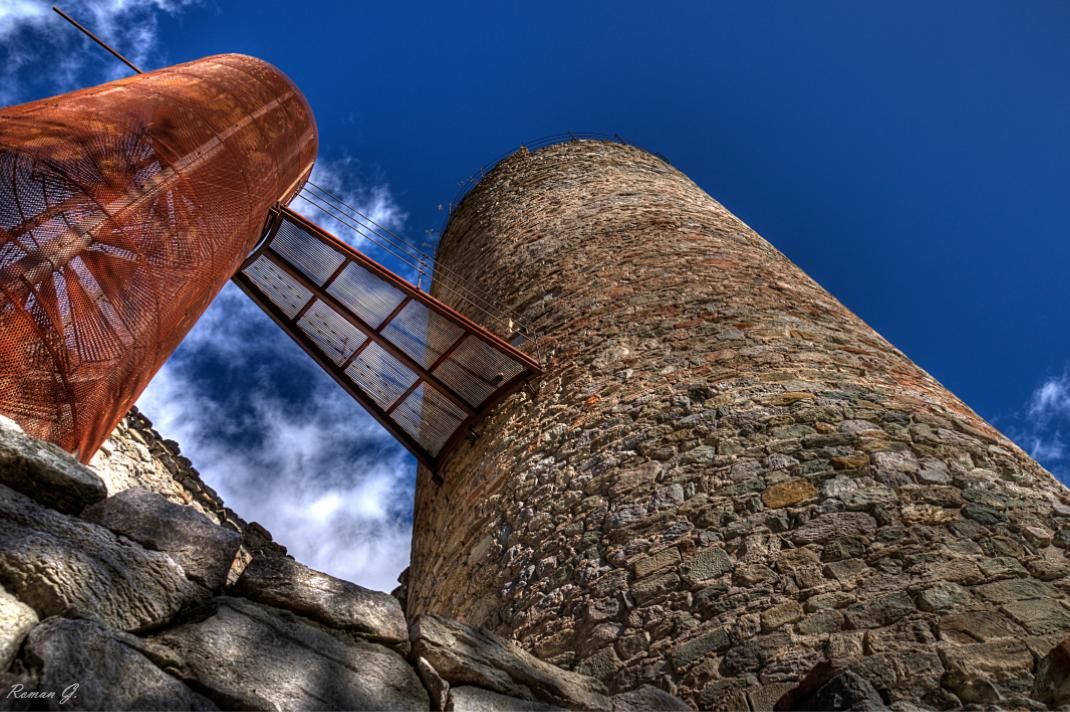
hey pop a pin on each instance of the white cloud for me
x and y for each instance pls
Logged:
(281, 442)
(41, 53)
(1040, 428)
(1051, 399)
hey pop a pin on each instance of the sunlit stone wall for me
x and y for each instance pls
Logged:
(726, 477)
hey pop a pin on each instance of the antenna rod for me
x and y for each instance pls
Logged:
(96, 39)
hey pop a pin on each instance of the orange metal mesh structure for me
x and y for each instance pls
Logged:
(124, 209)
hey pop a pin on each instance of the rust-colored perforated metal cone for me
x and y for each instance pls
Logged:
(124, 209)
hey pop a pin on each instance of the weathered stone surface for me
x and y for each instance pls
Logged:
(16, 620)
(834, 526)
(466, 656)
(102, 670)
(246, 655)
(829, 687)
(695, 649)
(660, 560)
(203, 549)
(476, 699)
(943, 596)
(1052, 683)
(647, 698)
(880, 611)
(694, 415)
(846, 691)
(58, 564)
(781, 614)
(285, 583)
(788, 493)
(436, 687)
(46, 473)
(1040, 617)
(708, 563)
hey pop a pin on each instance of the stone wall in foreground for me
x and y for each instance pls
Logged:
(158, 597)
(728, 485)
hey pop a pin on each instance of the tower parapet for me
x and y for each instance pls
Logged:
(726, 479)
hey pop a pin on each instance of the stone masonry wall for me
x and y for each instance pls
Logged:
(131, 602)
(727, 482)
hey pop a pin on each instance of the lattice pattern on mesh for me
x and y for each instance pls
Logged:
(282, 289)
(430, 417)
(421, 334)
(476, 370)
(124, 208)
(309, 255)
(425, 371)
(380, 375)
(368, 296)
(331, 332)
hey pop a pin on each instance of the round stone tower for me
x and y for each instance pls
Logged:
(726, 481)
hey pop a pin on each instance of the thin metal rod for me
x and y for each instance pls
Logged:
(96, 39)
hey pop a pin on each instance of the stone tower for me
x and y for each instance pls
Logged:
(726, 478)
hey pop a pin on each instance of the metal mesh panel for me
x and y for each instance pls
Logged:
(423, 370)
(334, 336)
(430, 417)
(317, 261)
(475, 370)
(422, 335)
(282, 289)
(124, 208)
(381, 375)
(368, 296)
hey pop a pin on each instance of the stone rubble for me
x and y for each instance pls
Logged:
(131, 602)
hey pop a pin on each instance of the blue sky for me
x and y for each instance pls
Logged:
(912, 157)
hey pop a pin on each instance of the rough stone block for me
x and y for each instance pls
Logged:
(1052, 681)
(647, 698)
(781, 614)
(476, 699)
(467, 656)
(251, 656)
(58, 564)
(656, 562)
(880, 611)
(708, 564)
(204, 550)
(685, 654)
(785, 494)
(102, 669)
(282, 582)
(834, 525)
(16, 620)
(47, 474)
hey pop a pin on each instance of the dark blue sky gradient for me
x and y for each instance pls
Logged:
(912, 157)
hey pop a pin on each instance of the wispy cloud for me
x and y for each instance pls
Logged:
(41, 55)
(1040, 428)
(280, 441)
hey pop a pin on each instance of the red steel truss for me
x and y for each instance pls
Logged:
(425, 371)
(124, 208)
